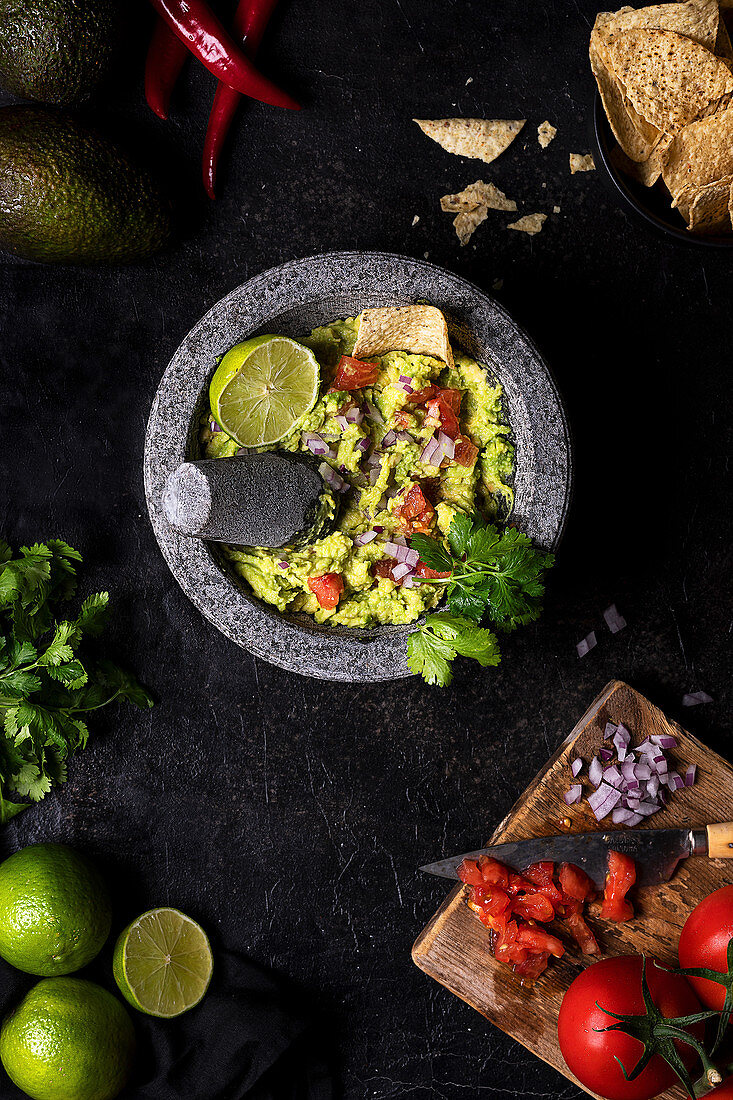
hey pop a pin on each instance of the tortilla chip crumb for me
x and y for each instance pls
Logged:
(580, 162)
(556, 210)
(472, 205)
(530, 223)
(545, 133)
(478, 138)
(415, 220)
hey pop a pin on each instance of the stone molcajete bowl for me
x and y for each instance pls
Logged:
(292, 300)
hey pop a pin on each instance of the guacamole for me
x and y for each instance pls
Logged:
(380, 440)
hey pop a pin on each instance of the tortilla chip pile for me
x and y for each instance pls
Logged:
(664, 76)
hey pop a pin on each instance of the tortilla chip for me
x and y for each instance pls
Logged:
(580, 162)
(669, 79)
(420, 330)
(545, 133)
(636, 137)
(530, 223)
(477, 194)
(479, 138)
(647, 171)
(709, 208)
(701, 154)
(697, 19)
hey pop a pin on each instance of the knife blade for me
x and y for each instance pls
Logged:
(656, 852)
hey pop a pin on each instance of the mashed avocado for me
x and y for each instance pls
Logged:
(380, 477)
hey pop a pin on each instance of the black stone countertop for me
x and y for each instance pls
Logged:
(289, 815)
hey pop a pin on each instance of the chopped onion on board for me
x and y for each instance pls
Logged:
(587, 644)
(695, 698)
(614, 621)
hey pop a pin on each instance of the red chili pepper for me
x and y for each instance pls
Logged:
(195, 24)
(166, 57)
(250, 20)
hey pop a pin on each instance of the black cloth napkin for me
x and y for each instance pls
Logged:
(252, 1036)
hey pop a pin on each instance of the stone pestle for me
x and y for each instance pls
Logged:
(271, 499)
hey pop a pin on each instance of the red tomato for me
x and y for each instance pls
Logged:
(574, 921)
(466, 452)
(352, 374)
(536, 939)
(724, 1091)
(327, 589)
(534, 907)
(421, 397)
(619, 880)
(415, 513)
(383, 570)
(541, 875)
(591, 1054)
(704, 942)
(469, 872)
(574, 882)
(442, 404)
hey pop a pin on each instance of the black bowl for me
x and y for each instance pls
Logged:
(650, 204)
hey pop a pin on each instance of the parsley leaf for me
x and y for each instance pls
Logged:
(494, 574)
(46, 687)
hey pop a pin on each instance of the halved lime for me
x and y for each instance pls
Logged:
(262, 388)
(162, 963)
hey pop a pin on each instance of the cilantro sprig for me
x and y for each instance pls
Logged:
(492, 574)
(48, 683)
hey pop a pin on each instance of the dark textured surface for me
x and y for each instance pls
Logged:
(290, 815)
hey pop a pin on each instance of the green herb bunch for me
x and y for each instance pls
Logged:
(493, 575)
(48, 683)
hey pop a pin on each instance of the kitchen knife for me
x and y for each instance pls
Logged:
(656, 852)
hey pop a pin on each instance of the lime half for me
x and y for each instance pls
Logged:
(262, 388)
(162, 963)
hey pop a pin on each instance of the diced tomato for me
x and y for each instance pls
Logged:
(537, 939)
(352, 374)
(404, 420)
(532, 968)
(493, 872)
(423, 570)
(415, 513)
(492, 905)
(533, 907)
(542, 875)
(518, 885)
(619, 880)
(327, 589)
(575, 883)
(581, 933)
(469, 872)
(423, 396)
(506, 946)
(465, 452)
(383, 570)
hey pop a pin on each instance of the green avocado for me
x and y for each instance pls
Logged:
(57, 51)
(68, 195)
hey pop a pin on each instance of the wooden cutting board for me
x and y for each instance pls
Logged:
(454, 949)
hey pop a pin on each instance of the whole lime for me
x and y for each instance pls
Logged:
(55, 912)
(68, 1039)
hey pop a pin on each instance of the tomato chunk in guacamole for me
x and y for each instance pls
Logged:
(389, 440)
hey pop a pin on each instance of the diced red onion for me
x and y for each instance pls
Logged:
(400, 571)
(214, 427)
(404, 437)
(408, 582)
(430, 452)
(402, 553)
(694, 698)
(621, 740)
(364, 538)
(342, 422)
(364, 444)
(574, 794)
(241, 451)
(400, 540)
(373, 412)
(283, 565)
(613, 776)
(406, 378)
(675, 781)
(389, 438)
(374, 472)
(595, 771)
(652, 786)
(603, 800)
(643, 772)
(404, 387)
(379, 530)
(606, 755)
(609, 730)
(665, 742)
(354, 415)
(334, 480)
(316, 444)
(690, 775)
(614, 621)
(576, 767)
(446, 445)
(587, 644)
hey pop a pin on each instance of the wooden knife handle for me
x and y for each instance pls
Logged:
(720, 840)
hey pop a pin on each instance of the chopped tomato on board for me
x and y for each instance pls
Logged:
(574, 883)
(415, 513)
(327, 589)
(533, 907)
(541, 875)
(575, 923)
(619, 880)
(352, 374)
